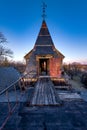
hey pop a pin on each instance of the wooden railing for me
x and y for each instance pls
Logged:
(14, 87)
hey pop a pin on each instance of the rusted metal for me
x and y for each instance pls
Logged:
(7, 118)
(21, 84)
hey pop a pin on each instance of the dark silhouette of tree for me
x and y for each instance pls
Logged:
(2, 38)
(4, 51)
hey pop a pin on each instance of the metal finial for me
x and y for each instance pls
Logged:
(43, 10)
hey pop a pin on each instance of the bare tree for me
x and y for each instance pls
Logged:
(2, 38)
(4, 51)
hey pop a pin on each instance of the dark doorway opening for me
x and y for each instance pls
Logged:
(43, 63)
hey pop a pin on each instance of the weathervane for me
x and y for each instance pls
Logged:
(43, 10)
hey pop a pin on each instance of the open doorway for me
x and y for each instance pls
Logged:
(43, 66)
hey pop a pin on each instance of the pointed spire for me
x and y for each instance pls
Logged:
(43, 10)
(44, 37)
(44, 24)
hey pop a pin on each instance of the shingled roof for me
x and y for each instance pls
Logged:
(44, 44)
(44, 37)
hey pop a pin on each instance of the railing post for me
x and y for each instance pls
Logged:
(22, 86)
(9, 107)
(23, 83)
(16, 94)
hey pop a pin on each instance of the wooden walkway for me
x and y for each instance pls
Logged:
(44, 93)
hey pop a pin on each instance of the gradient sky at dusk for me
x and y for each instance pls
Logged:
(20, 22)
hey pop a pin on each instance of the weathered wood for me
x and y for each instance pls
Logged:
(45, 93)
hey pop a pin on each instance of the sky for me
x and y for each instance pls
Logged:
(20, 22)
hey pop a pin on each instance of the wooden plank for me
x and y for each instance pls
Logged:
(45, 93)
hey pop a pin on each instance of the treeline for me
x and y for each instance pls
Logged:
(20, 66)
(77, 69)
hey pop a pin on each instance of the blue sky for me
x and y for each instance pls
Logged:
(20, 22)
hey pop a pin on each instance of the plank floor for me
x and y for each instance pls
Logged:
(44, 93)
